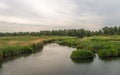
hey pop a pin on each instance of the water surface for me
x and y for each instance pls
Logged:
(55, 60)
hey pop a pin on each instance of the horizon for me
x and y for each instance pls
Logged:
(40, 15)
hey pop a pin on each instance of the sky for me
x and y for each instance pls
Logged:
(37, 15)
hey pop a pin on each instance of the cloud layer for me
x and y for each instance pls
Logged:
(35, 15)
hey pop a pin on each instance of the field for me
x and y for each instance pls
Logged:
(20, 40)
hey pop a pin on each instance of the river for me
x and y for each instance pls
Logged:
(55, 60)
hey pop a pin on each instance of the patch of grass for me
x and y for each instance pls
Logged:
(37, 46)
(107, 53)
(82, 54)
(105, 46)
(15, 50)
(72, 42)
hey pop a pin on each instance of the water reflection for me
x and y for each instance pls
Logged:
(8, 59)
(82, 61)
(51, 61)
(110, 59)
(55, 60)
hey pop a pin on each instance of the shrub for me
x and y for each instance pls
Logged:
(107, 53)
(82, 54)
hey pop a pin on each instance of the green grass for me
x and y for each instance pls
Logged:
(72, 42)
(105, 46)
(15, 50)
(107, 53)
(11, 46)
(82, 54)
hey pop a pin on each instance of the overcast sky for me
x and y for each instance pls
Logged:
(36, 15)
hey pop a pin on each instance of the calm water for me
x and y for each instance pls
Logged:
(55, 60)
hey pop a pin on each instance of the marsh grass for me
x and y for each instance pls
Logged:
(105, 46)
(15, 50)
(107, 53)
(82, 54)
(72, 42)
(25, 44)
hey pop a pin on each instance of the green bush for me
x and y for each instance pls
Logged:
(107, 53)
(82, 54)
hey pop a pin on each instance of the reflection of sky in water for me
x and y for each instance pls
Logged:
(55, 60)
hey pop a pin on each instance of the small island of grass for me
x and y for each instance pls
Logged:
(82, 54)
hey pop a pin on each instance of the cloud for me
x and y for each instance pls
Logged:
(88, 14)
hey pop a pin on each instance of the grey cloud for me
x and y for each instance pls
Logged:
(19, 9)
(62, 13)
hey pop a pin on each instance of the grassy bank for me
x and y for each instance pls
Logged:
(104, 46)
(12, 46)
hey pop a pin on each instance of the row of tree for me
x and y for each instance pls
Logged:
(69, 32)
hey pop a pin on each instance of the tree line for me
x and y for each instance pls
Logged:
(69, 32)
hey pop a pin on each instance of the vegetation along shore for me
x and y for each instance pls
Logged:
(104, 42)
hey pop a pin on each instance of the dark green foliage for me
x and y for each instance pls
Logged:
(110, 30)
(81, 32)
(82, 54)
(69, 32)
